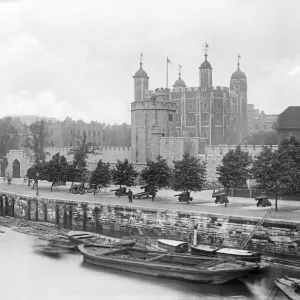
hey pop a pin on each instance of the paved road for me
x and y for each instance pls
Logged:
(202, 201)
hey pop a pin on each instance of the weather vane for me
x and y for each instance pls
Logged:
(141, 59)
(238, 59)
(205, 48)
(179, 69)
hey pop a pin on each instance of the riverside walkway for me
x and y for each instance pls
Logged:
(165, 200)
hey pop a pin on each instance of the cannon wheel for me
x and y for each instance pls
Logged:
(75, 189)
(81, 190)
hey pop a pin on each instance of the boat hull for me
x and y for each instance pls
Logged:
(169, 271)
(287, 289)
(82, 237)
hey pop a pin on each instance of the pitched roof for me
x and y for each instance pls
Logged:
(289, 118)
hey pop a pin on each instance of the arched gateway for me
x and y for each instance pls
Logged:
(16, 169)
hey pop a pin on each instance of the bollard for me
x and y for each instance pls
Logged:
(57, 214)
(96, 215)
(195, 236)
(84, 217)
(28, 210)
(36, 210)
(70, 216)
(45, 212)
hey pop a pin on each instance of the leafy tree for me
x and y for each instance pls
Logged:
(101, 175)
(57, 169)
(188, 174)
(36, 141)
(81, 154)
(124, 173)
(262, 138)
(9, 135)
(41, 169)
(271, 173)
(157, 174)
(234, 169)
(289, 155)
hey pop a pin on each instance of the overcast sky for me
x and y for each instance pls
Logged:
(76, 58)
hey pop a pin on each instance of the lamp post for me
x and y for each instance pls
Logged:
(37, 184)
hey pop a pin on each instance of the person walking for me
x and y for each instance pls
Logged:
(129, 194)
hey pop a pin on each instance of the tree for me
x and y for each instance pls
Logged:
(234, 169)
(289, 155)
(271, 173)
(124, 173)
(188, 174)
(36, 141)
(9, 135)
(57, 169)
(262, 138)
(101, 175)
(81, 154)
(157, 174)
(38, 171)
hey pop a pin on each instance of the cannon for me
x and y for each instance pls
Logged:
(148, 191)
(120, 191)
(184, 197)
(220, 197)
(262, 201)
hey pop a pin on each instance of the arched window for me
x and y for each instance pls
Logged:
(205, 134)
(218, 117)
(16, 169)
(205, 118)
(191, 119)
(205, 106)
(177, 118)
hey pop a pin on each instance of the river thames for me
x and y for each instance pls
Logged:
(27, 274)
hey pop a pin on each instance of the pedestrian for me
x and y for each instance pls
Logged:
(129, 194)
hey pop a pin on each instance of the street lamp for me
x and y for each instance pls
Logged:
(37, 184)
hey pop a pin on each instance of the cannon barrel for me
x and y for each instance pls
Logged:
(115, 190)
(179, 195)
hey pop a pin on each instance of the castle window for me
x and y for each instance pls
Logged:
(218, 117)
(205, 134)
(170, 117)
(205, 106)
(98, 133)
(71, 144)
(191, 120)
(191, 107)
(218, 105)
(204, 88)
(177, 118)
(205, 118)
(71, 132)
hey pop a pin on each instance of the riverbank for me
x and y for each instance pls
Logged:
(216, 225)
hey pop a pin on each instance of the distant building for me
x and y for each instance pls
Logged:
(259, 121)
(69, 133)
(288, 123)
(215, 113)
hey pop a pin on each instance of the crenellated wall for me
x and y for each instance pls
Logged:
(274, 236)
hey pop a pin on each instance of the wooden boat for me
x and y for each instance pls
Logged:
(48, 250)
(83, 237)
(238, 254)
(173, 246)
(289, 286)
(168, 265)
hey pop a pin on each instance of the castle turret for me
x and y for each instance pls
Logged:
(151, 119)
(238, 88)
(205, 72)
(141, 82)
(179, 82)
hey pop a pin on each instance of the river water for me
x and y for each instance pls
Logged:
(28, 275)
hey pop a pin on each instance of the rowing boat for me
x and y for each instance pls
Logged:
(173, 246)
(83, 237)
(289, 286)
(168, 265)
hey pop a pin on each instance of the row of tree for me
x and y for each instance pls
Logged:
(187, 175)
(276, 172)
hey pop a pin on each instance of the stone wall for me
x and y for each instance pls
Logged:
(280, 237)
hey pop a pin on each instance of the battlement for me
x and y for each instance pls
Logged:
(223, 149)
(187, 89)
(153, 105)
(220, 88)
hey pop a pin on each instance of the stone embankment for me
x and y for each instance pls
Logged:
(275, 237)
